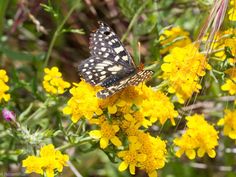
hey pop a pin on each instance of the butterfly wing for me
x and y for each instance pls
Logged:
(110, 64)
(106, 44)
(103, 71)
(134, 80)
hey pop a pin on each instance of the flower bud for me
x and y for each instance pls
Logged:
(8, 115)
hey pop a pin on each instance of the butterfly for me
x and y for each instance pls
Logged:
(110, 64)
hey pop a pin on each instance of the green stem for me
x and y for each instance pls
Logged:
(134, 19)
(79, 130)
(57, 33)
(44, 174)
(213, 76)
(151, 67)
(3, 7)
(39, 112)
(65, 146)
(218, 72)
(69, 145)
(162, 85)
(25, 113)
(69, 127)
(73, 169)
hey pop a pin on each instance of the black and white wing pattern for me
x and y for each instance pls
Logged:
(110, 65)
(105, 43)
(103, 71)
(134, 80)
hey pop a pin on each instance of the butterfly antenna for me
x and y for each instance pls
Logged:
(139, 52)
(141, 63)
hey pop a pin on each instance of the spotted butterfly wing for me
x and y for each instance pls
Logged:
(109, 61)
(110, 65)
(105, 43)
(134, 80)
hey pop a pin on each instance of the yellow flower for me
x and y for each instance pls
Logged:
(155, 150)
(53, 82)
(230, 84)
(229, 122)
(106, 133)
(132, 156)
(182, 69)
(97, 120)
(48, 161)
(131, 123)
(232, 73)
(174, 37)
(3, 86)
(122, 115)
(58, 160)
(218, 44)
(231, 12)
(199, 136)
(146, 152)
(145, 104)
(33, 164)
(124, 100)
(224, 39)
(230, 42)
(83, 102)
(157, 106)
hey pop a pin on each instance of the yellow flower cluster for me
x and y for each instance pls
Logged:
(222, 40)
(229, 122)
(124, 116)
(156, 100)
(53, 82)
(3, 86)
(232, 11)
(48, 161)
(83, 102)
(173, 37)
(144, 151)
(230, 84)
(106, 133)
(199, 136)
(182, 69)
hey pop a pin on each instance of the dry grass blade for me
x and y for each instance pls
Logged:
(213, 22)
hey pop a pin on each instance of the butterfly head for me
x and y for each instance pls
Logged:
(141, 67)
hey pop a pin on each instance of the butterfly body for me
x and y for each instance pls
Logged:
(110, 65)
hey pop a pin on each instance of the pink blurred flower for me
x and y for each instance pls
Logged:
(8, 115)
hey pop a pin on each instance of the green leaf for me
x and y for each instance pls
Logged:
(3, 7)
(129, 7)
(49, 8)
(78, 31)
(228, 52)
(21, 56)
(146, 26)
(58, 132)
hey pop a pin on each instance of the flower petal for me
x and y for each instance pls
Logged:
(123, 166)
(104, 143)
(95, 134)
(116, 141)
